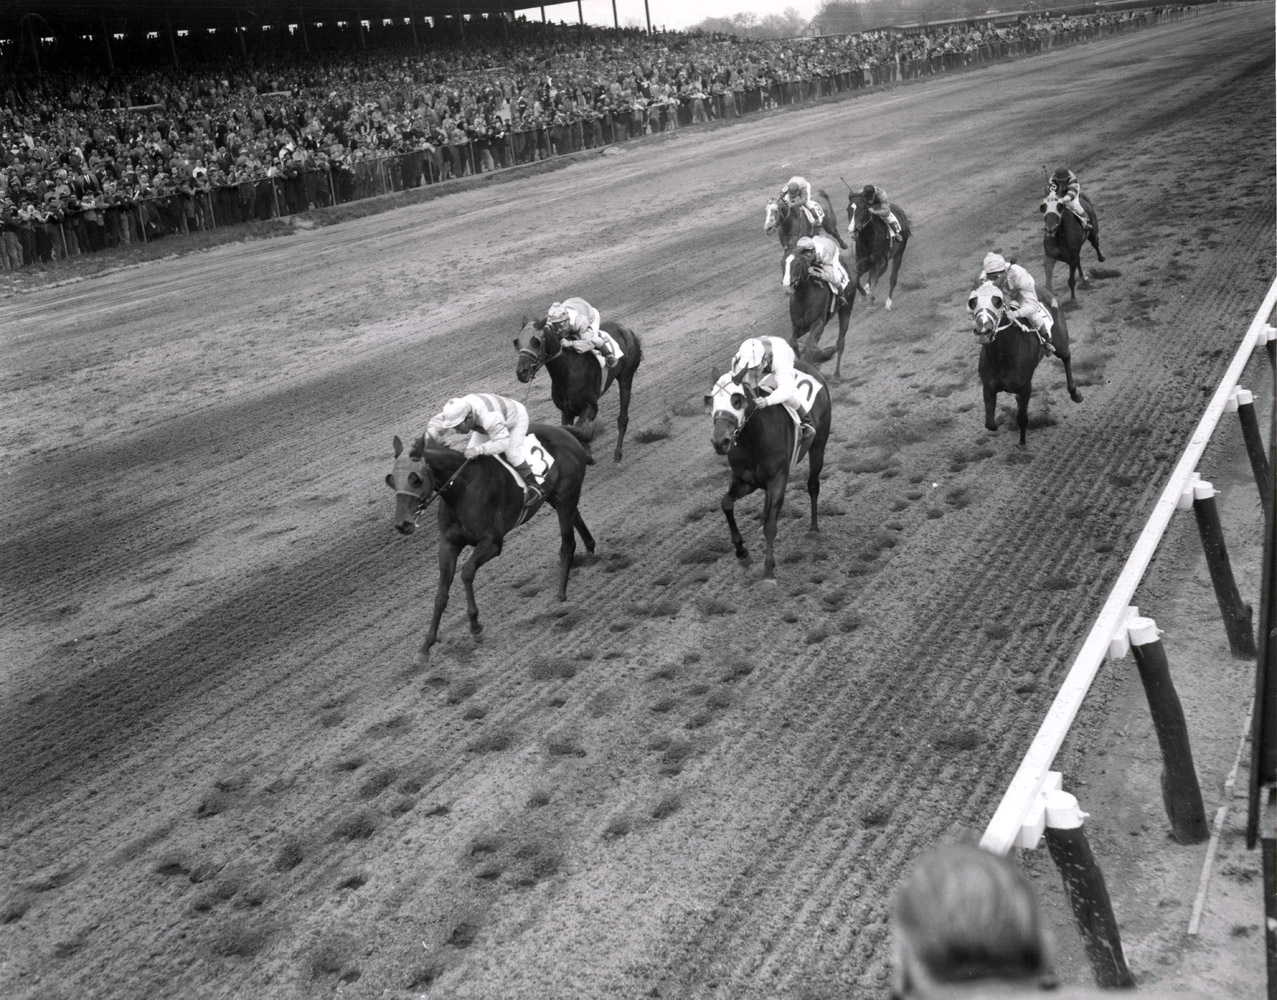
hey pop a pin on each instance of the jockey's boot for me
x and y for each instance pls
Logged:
(531, 491)
(807, 429)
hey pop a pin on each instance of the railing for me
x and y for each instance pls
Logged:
(50, 236)
(1033, 804)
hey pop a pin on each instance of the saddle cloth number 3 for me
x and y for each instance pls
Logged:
(539, 460)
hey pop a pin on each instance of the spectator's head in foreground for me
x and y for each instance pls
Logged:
(966, 925)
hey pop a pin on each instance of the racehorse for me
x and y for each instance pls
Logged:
(577, 380)
(871, 238)
(1009, 352)
(759, 445)
(792, 224)
(480, 503)
(1063, 235)
(811, 304)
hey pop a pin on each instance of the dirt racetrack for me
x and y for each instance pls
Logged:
(221, 776)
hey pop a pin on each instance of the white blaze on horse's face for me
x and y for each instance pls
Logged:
(772, 219)
(851, 217)
(787, 279)
(1051, 213)
(985, 305)
(726, 402)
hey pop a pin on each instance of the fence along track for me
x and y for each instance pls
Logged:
(1023, 795)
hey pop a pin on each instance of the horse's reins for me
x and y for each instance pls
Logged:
(424, 502)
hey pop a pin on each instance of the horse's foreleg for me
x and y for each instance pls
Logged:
(623, 387)
(1022, 412)
(447, 567)
(583, 531)
(815, 462)
(895, 273)
(1068, 379)
(1073, 269)
(844, 321)
(484, 551)
(771, 514)
(734, 492)
(1048, 269)
(567, 549)
(990, 408)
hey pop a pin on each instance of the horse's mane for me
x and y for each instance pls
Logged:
(418, 448)
(418, 452)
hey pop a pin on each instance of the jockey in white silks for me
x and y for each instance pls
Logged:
(497, 425)
(576, 320)
(825, 262)
(762, 356)
(1020, 295)
(797, 194)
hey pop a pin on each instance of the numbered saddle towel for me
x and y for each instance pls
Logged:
(539, 461)
(808, 388)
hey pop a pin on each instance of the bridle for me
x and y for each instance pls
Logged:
(424, 501)
(539, 358)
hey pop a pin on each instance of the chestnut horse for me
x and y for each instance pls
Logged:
(871, 238)
(812, 303)
(480, 503)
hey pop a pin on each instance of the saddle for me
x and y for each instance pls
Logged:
(540, 461)
(808, 387)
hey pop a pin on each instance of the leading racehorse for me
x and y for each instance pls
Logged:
(759, 445)
(871, 239)
(1063, 235)
(792, 224)
(811, 304)
(1009, 352)
(577, 379)
(480, 503)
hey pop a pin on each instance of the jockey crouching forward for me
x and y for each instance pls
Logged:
(762, 356)
(497, 425)
(1019, 296)
(576, 320)
(797, 195)
(1064, 185)
(824, 261)
(877, 203)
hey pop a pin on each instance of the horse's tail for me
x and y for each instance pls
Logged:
(585, 435)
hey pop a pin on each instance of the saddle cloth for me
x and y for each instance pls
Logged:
(815, 214)
(807, 387)
(583, 346)
(539, 461)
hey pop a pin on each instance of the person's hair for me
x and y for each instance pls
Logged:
(969, 915)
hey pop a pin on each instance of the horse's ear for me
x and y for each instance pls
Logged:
(516, 343)
(398, 445)
(523, 321)
(390, 480)
(709, 406)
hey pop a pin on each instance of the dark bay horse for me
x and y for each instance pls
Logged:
(1063, 236)
(1009, 352)
(792, 224)
(759, 445)
(480, 503)
(811, 304)
(577, 380)
(871, 238)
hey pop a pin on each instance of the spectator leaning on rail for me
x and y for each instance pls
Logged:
(966, 925)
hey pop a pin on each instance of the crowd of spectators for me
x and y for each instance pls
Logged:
(90, 161)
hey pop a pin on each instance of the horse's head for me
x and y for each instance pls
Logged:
(857, 213)
(985, 304)
(726, 403)
(772, 219)
(795, 266)
(531, 343)
(1050, 209)
(410, 479)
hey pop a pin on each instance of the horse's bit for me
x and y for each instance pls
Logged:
(538, 361)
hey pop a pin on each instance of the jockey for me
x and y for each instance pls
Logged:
(496, 424)
(796, 193)
(876, 202)
(1064, 185)
(576, 319)
(825, 262)
(1020, 296)
(760, 356)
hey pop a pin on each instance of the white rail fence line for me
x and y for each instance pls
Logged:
(1034, 804)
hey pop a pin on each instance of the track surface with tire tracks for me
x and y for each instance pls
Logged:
(221, 775)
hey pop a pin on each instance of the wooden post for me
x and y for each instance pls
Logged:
(1084, 885)
(616, 21)
(1181, 794)
(35, 51)
(1236, 613)
(62, 230)
(172, 45)
(106, 41)
(332, 188)
(648, 12)
(412, 20)
(301, 19)
(141, 221)
(543, 15)
(359, 26)
(239, 30)
(580, 14)
(1243, 401)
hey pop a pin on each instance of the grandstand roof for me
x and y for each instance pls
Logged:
(143, 15)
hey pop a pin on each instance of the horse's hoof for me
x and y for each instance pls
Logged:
(476, 629)
(813, 530)
(769, 581)
(887, 304)
(1075, 395)
(422, 659)
(1099, 256)
(990, 427)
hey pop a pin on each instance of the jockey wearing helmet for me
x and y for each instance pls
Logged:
(576, 319)
(876, 202)
(825, 262)
(760, 356)
(496, 424)
(1020, 295)
(1064, 185)
(796, 193)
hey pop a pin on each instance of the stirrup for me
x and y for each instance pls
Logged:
(531, 494)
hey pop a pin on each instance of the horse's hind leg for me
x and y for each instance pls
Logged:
(990, 408)
(895, 272)
(1022, 412)
(583, 531)
(734, 492)
(771, 514)
(844, 320)
(1073, 269)
(815, 462)
(447, 567)
(623, 387)
(1068, 378)
(484, 551)
(567, 548)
